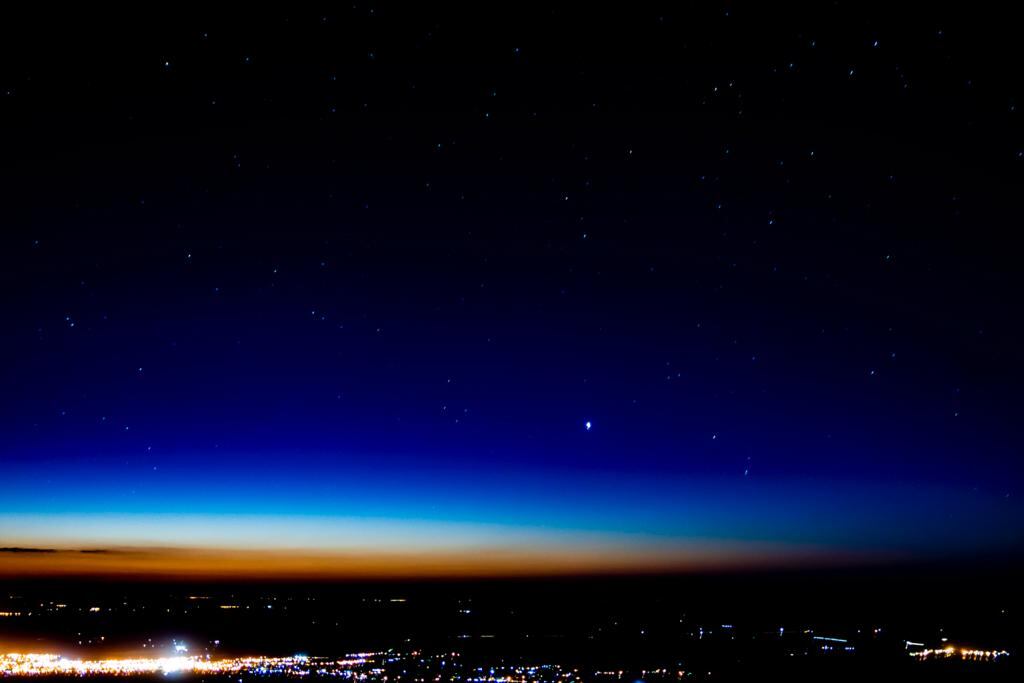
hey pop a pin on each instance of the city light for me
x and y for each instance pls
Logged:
(962, 653)
(38, 664)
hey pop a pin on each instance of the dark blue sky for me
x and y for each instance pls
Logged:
(374, 267)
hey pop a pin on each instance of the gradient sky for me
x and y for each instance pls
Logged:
(380, 292)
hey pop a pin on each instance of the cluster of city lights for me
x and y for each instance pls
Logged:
(961, 652)
(521, 674)
(356, 667)
(36, 664)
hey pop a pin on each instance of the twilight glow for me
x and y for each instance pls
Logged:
(437, 523)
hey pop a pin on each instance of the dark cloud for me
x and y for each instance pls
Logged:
(84, 551)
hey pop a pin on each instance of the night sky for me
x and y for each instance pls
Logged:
(391, 289)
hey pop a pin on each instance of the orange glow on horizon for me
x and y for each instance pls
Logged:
(203, 563)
